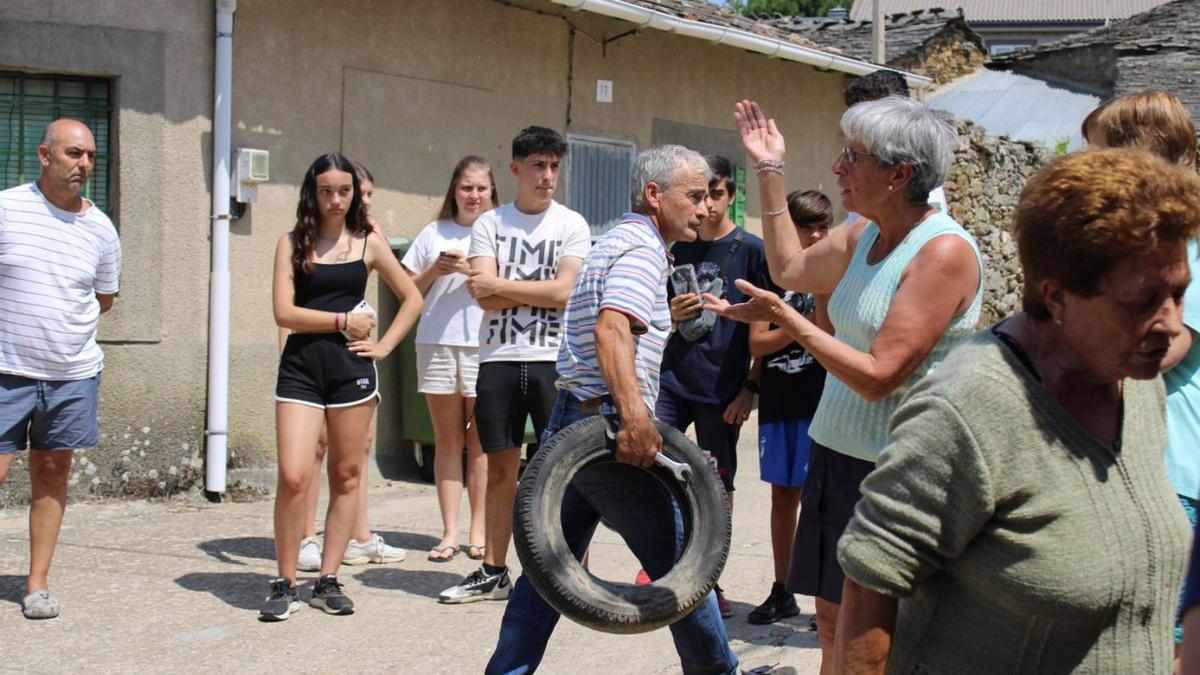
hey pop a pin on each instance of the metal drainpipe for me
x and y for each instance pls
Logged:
(217, 431)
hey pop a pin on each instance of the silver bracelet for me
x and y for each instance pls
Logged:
(780, 212)
(769, 165)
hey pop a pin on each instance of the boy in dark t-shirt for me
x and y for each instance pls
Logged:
(706, 376)
(791, 385)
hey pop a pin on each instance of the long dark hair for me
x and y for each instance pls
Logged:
(449, 209)
(308, 214)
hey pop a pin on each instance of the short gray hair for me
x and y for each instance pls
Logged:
(661, 164)
(899, 131)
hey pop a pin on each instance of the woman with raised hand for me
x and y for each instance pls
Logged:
(906, 284)
(327, 373)
(448, 350)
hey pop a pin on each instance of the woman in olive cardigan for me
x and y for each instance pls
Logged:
(1019, 519)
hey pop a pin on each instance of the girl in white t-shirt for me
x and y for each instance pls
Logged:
(448, 349)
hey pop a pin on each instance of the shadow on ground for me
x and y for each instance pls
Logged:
(417, 582)
(243, 590)
(792, 632)
(224, 550)
(12, 587)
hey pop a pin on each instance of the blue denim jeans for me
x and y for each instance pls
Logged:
(646, 516)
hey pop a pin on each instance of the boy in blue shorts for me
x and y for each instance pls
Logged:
(790, 388)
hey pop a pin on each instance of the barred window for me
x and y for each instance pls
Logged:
(30, 101)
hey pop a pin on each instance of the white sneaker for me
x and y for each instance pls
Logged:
(374, 550)
(310, 555)
(478, 585)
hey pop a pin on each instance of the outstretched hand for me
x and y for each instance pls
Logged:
(761, 305)
(760, 136)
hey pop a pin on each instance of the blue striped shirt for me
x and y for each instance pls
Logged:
(626, 271)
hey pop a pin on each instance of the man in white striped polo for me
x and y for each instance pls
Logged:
(60, 263)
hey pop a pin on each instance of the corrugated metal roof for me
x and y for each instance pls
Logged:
(1022, 108)
(1016, 10)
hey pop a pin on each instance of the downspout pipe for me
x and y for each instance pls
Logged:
(733, 37)
(216, 432)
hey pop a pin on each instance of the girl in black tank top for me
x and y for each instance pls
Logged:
(321, 272)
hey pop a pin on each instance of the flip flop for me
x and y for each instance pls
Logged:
(438, 554)
(475, 552)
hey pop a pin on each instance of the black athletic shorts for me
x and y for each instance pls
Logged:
(317, 370)
(508, 391)
(826, 505)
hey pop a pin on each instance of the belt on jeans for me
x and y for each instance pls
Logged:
(591, 406)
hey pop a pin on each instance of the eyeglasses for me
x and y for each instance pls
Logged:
(851, 155)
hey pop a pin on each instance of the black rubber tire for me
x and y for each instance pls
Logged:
(607, 606)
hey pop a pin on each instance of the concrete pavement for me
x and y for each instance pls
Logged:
(176, 587)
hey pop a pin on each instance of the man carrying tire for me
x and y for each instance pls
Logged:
(617, 321)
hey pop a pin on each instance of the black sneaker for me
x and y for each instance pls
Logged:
(479, 585)
(282, 601)
(328, 597)
(779, 605)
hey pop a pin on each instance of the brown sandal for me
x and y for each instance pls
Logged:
(438, 554)
(475, 552)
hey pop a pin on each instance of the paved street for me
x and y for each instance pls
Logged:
(176, 586)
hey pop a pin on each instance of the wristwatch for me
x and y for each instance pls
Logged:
(751, 385)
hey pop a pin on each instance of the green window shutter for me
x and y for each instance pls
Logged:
(737, 209)
(28, 102)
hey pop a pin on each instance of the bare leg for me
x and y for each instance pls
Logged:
(314, 489)
(297, 428)
(477, 477)
(362, 529)
(501, 487)
(5, 462)
(449, 435)
(827, 615)
(785, 507)
(48, 471)
(348, 429)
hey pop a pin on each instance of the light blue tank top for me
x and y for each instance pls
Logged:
(845, 421)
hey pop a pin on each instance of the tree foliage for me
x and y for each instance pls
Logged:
(766, 8)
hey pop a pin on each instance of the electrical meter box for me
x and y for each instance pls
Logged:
(250, 168)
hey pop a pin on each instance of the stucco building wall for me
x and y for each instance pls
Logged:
(407, 88)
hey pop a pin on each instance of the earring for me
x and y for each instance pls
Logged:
(890, 188)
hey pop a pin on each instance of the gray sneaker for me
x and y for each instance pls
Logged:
(40, 604)
(310, 555)
(373, 551)
(281, 602)
(328, 597)
(479, 585)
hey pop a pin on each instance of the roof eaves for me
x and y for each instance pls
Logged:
(779, 46)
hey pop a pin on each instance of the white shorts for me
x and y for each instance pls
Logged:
(447, 369)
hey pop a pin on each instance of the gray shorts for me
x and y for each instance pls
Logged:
(48, 414)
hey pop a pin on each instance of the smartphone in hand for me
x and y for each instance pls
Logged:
(363, 307)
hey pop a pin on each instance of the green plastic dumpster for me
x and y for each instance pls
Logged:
(415, 425)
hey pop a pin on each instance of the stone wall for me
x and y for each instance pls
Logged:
(985, 182)
(949, 54)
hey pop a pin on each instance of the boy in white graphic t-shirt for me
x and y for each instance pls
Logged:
(524, 259)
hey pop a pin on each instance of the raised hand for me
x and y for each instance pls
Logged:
(760, 136)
